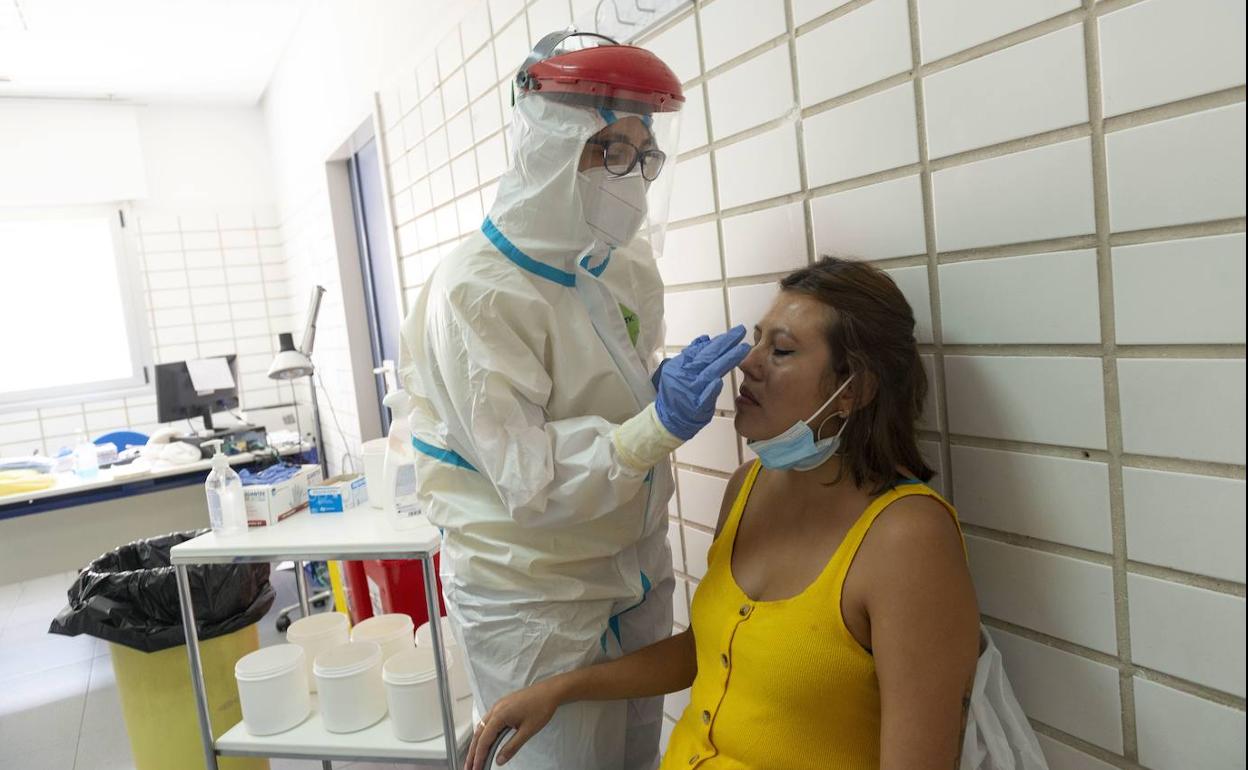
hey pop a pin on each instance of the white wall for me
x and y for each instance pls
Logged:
(213, 159)
(1058, 188)
(66, 153)
(321, 93)
(203, 235)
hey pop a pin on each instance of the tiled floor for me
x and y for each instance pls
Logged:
(59, 708)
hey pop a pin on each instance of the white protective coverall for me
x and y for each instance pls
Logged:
(540, 456)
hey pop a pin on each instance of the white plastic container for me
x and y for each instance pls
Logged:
(412, 693)
(394, 632)
(424, 636)
(316, 634)
(352, 695)
(374, 469)
(457, 665)
(273, 689)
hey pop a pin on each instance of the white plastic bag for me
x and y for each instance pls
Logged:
(998, 735)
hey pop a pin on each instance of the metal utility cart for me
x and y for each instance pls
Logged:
(364, 533)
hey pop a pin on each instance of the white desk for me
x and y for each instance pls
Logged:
(71, 484)
(66, 526)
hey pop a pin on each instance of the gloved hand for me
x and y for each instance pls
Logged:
(689, 383)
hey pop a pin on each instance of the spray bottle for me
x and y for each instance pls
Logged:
(399, 473)
(227, 513)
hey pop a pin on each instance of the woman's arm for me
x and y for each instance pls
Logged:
(924, 633)
(663, 667)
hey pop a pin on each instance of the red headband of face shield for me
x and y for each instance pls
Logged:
(613, 76)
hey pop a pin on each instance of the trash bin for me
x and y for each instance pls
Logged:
(129, 597)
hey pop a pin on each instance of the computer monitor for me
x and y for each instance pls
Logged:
(176, 398)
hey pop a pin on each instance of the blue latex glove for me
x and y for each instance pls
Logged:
(654, 378)
(689, 383)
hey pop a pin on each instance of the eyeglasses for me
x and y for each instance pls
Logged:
(621, 157)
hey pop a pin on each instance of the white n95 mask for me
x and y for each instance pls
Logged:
(614, 206)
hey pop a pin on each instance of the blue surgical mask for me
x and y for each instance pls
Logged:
(796, 448)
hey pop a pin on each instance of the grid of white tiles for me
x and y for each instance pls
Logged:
(1058, 188)
(214, 284)
(309, 243)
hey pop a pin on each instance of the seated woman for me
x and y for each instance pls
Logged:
(836, 626)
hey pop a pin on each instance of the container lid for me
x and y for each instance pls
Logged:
(383, 628)
(424, 636)
(269, 662)
(414, 666)
(347, 659)
(317, 625)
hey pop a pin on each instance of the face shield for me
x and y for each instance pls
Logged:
(628, 105)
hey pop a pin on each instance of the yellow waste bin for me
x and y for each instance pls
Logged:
(158, 701)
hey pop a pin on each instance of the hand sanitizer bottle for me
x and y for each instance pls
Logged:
(86, 461)
(227, 512)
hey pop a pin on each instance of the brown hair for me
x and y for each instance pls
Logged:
(871, 336)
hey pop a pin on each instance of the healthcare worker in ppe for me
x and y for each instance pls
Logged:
(542, 419)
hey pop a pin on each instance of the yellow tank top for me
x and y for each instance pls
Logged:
(781, 685)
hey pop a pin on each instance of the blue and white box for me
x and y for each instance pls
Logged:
(338, 494)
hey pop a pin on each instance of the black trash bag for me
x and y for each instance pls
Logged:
(130, 596)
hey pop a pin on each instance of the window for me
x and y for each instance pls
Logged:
(70, 315)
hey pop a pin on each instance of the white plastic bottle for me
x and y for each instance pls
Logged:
(86, 461)
(398, 486)
(227, 512)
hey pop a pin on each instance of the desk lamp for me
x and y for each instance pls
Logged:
(292, 363)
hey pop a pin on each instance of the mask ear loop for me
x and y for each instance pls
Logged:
(843, 415)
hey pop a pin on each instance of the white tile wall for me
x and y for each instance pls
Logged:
(732, 27)
(861, 47)
(1175, 169)
(678, 48)
(1027, 196)
(680, 605)
(768, 241)
(691, 254)
(949, 26)
(693, 129)
(1166, 616)
(1050, 498)
(752, 93)
(1044, 298)
(1188, 169)
(758, 168)
(1183, 408)
(807, 10)
(874, 222)
(1180, 730)
(700, 497)
(1055, 595)
(715, 448)
(929, 419)
(186, 264)
(693, 313)
(1185, 521)
(872, 134)
(1071, 693)
(1165, 50)
(748, 304)
(1033, 398)
(912, 281)
(546, 16)
(1027, 89)
(1063, 757)
(697, 543)
(1176, 292)
(696, 194)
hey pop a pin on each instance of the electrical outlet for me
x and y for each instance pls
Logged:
(288, 419)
